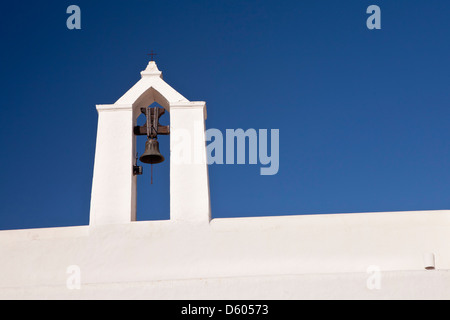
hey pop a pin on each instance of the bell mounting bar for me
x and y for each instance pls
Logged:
(152, 127)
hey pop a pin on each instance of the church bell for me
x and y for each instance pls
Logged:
(151, 129)
(151, 154)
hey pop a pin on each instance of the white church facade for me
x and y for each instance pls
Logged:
(383, 255)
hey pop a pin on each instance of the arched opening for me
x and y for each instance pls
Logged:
(148, 97)
(153, 200)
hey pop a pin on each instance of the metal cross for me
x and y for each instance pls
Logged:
(151, 54)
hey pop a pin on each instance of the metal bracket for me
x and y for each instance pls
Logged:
(152, 127)
(137, 170)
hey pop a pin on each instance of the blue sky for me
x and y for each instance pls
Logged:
(363, 114)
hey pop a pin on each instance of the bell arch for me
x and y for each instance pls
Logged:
(114, 187)
(149, 97)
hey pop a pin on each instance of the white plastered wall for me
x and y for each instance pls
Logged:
(288, 257)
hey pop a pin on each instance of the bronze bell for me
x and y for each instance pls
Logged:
(151, 154)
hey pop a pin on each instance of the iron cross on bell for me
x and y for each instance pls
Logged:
(152, 128)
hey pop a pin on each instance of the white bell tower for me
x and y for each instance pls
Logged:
(113, 197)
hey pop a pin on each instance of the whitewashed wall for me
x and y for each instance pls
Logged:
(289, 257)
